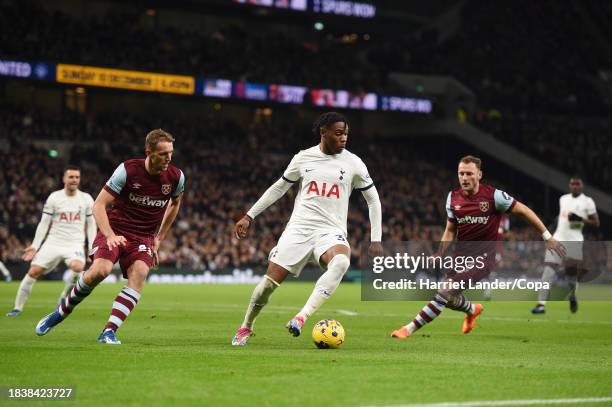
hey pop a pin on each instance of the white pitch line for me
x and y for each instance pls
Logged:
(480, 403)
(347, 312)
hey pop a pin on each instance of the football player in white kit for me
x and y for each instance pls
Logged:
(575, 210)
(326, 174)
(67, 216)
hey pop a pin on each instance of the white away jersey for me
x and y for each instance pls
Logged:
(325, 185)
(69, 214)
(582, 206)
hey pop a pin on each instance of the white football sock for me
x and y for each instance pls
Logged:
(259, 298)
(548, 276)
(24, 291)
(326, 285)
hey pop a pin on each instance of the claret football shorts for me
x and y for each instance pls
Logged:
(135, 249)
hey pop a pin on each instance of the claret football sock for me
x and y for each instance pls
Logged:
(77, 294)
(461, 303)
(428, 313)
(122, 306)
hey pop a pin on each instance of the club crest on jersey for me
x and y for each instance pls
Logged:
(484, 206)
(342, 174)
(166, 188)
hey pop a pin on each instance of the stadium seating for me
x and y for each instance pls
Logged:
(226, 172)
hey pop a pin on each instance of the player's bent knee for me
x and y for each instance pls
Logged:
(270, 281)
(137, 274)
(36, 272)
(139, 267)
(100, 269)
(549, 273)
(77, 266)
(276, 273)
(446, 294)
(452, 297)
(102, 272)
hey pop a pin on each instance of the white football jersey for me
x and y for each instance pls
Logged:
(69, 214)
(582, 206)
(325, 185)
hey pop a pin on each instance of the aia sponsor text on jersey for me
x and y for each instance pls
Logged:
(323, 189)
(70, 217)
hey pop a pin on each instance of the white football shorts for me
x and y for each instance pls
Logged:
(295, 248)
(573, 252)
(49, 255)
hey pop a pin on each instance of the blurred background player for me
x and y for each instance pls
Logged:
(5, 272)
(67, 216)
(575, 211)
(145, 195)
(327, 174)
(474, 212)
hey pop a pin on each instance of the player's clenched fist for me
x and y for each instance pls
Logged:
(242, 226)
(115, 241)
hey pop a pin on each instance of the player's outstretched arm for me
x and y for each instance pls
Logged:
(99, 212)
(92, 229)
(169, 216)
(375, 213)
(447, 237)
(39, 236)
(526, 213)
(272, 194)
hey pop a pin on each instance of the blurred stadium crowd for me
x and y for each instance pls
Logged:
(226, 170)
(549, 105)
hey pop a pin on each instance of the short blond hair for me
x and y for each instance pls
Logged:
(471, 159)
(155, 136)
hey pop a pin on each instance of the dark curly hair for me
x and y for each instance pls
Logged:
(326, 119)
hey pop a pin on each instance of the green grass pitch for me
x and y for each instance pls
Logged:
(176, 351)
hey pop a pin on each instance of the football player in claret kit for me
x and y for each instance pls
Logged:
(575, 211)
(326, 174)
(67, 217)
(474, 212)
(145, 195)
